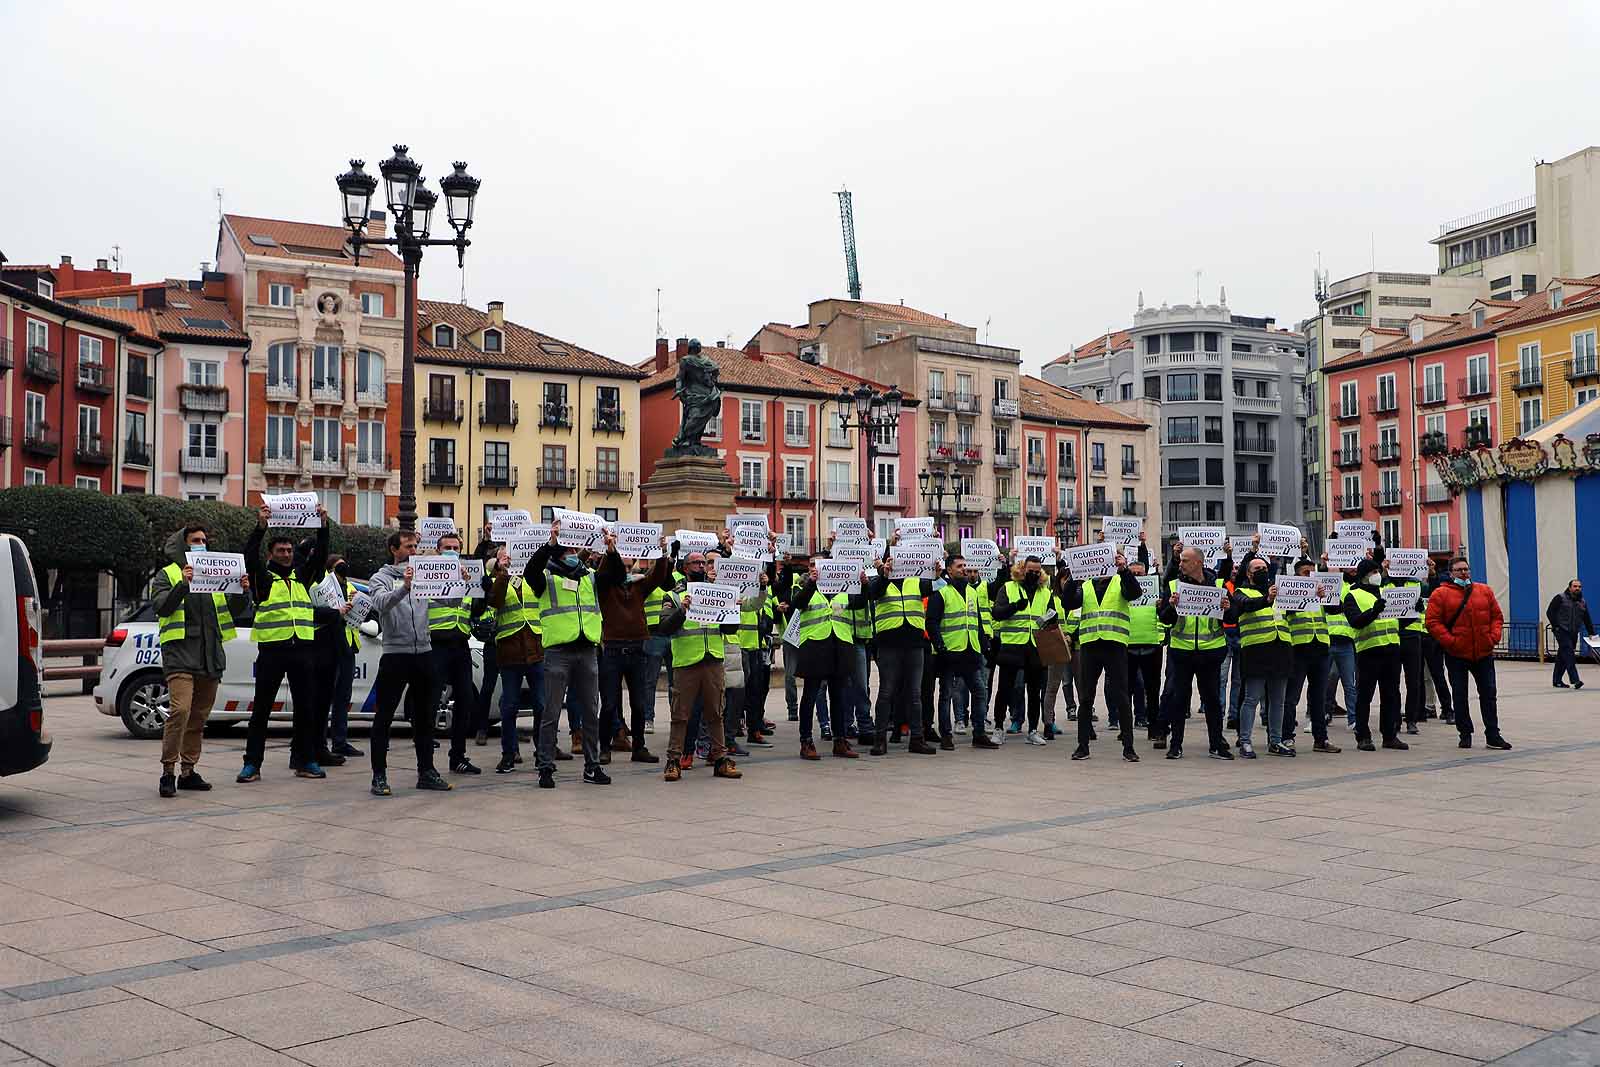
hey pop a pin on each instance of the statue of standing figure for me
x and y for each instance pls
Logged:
(699, 390)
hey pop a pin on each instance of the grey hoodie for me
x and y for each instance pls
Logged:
(403, 617)
(200, 652)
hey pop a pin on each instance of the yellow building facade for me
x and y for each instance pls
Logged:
(1545, 355)
(508, 417)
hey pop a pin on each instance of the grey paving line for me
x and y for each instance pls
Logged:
(292, 946)
(1576, 1046)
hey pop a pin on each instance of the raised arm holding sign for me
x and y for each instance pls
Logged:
(1407, 562)
(838, 576)
(294, 510)
(1043, 547)
(430, 529)
(1207, 540)
(216, 572)
(850, 528)
(437, 578)
(1297, 594)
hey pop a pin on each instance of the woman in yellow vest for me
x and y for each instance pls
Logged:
(1377, 642)
(825, 659)
(1265, 654)
(1103, 649)
(1308, 633)
(1021, 607)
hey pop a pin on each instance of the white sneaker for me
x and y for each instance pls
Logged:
(650, 727)
(997, 736)
(1034, 738)
(961, 727)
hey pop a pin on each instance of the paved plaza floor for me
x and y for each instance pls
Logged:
(1430, 908)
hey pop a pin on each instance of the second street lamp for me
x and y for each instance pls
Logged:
(874, 411)
(412, 203)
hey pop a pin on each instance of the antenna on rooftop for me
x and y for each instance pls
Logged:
(116, 257)
(658, 312)
(217, 192)
(986, 323)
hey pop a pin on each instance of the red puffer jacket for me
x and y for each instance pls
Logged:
(1476, 632)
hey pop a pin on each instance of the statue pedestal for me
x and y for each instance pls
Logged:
(689, 493)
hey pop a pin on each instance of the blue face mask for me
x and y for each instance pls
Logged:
(1463, 581)
(450, 553)
(570, 561)
(201, 547)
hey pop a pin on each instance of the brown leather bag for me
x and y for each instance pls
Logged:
(1053, 647)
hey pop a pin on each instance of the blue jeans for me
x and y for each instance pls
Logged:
(859, 692)
(623, 661)
(968, 695)
(1342, 671)
(655, 653)
(1256, 691)
(511, 679)
(1229, 698)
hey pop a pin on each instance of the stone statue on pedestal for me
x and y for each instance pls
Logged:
(699, 390)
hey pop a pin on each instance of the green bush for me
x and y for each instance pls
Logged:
(71, 529)
(366, 548)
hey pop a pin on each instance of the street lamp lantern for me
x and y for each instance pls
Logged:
(422, 201)
(938, 482)
(864, 397)
(891, 404)
(460, 192)
(400, 175)
(356, 187)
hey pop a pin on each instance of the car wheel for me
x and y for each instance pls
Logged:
(144, 705)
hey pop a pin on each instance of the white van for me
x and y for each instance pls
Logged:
(24, 744)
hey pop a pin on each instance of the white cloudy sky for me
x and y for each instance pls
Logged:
(1031, 164)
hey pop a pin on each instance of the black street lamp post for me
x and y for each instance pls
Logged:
(874, 411)
(412, 203)
(932, 487)
(1068, 526)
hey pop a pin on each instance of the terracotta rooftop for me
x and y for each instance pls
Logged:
(281, 239)
(1043, 401)
(189, 315)
(1096, 348)
(797, 333)
(773, 372)
(525, 349)
(867, 309)
(1578, 294)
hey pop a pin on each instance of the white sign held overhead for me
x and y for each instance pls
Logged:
(854, 553)
(1332, 582)
(1399, 601)
(982, 555)
(507, 523)
(216, 572)
(1407, 562)
(694, 541)
(1344, 552)
(785, 543)
(429, 531)
(1278, 539)
(913, 526)
(1092, 561)
(1207, 539)
(638, 540)
(1121, 528)
(579, 529)
(743, 573)
(752, 543)
(1198, 601)
(1043, 547)
(735, 523)
(289, 510)
(914, 561)
(1152, 591)
(437, 578)
(1358, 529)
(838, 576)
(711, 603)
(521, 550)
(1297, 594)
(849, 528)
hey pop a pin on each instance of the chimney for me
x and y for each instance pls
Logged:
(66, 261)
(155, 296)
(377, 224)
(102, 264)
(497, 312)
(753, 349)
(682, 347)
(663, 357)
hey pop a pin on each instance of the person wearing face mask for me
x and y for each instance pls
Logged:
(333, 671)
(1103, 650)
(283, 633)
(1266, 655)
(405, 670)
(955, 626)
(193, 627)
(623, 587)
(1377, 643)
(1568, 615)
(1144, 654)
(826, 659)
(449, 626)
(698, 676)
(569, 615)
(898, 622)
(1464, 617)
(1435, 683)
(1197, 649)
(1022, 605)
(1308, 633)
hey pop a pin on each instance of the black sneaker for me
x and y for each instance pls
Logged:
(328, 758)
(380, 786)
(595, 776)
(1497, 742)
(1280, 750)
(1232, 723)
(1396, 743)
(430, 781)
(1081, 752)
(644, 755)
(1130, 755)
(1222, 753)
(348, 751)
(1175, 752)
(169, 786)
(1366, 746)
(547, 779)
(464, 766)
(1465, 742)
(506, 765)
(983, 741)
(192, 780)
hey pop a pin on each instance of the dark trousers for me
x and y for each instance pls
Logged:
(1185, 671)
(623, 661)
(1111, 659)
(1018, 684)
(834, 706)
(452, 666)
(1482, 672)
(322, 678)
(339, 680)
(491, 675)
(511, 679)
(1411, 668)
(930, 674)
(1378, 669)
(276, 660)
(899, 688)
(1144, 685)
(757, 683)
(404, 675)
(1433, 660)
(1310, 676)
(1566, 656)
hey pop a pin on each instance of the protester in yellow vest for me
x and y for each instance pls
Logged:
(1103, 650)
(898, 625)
(1411, 632)
(569, 616)
(826, 659)
(194, 627)
(1308, 633)
(449, 626)
(1266, 655)
(955, 625)
(1021, 607)
(1377, 642)
(519, 655)
(1197, 649)
(698, 674)
(1144, 651)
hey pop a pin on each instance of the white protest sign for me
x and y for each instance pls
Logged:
(743, 573)
(854, 553)
(1399, 601)
(474, 569)
(521, 550)
(1203, 601)
(1345, 552)
(694, 541)
(879, 546)
(1407, 562)
(1043, 547)
(1277, 539)
(437, 578)
(914, 561)
(710, 602)
(982, 555)
(1092, 561)
(838, 576)
(216, 572)
(579, 529)
(508, 523)
(735, 523)
(785, 543)
(1207, 539)
(1241, 547)
(638, 540)
(849, 528)
(752, 542)
(1121, 528)
(360, 608)
(429, 531)
(913, 526)
(1297, 594)
(1331, 582)
(1358, 529)
(292, 509)
(329, 592)
(1152, 591)
(791, 634)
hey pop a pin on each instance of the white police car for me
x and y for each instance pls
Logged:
(132, 688)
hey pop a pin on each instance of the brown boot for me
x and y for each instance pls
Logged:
(726, 768)
(842, 749)
(808, 750)
(577, 742)
(623, 742)
(922, 748)
(672, 773)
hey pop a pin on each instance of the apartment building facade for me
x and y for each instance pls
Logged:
(970, 393)
(1544, 354)
(781, 439)
(1232, 403)
(322, 382)
(512, 417)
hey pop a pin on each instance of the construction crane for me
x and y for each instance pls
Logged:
(847, 220)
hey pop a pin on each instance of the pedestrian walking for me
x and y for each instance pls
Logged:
(1568, 615)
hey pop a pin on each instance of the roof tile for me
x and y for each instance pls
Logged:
(525, 348)
(304, 240)
(1044, 401)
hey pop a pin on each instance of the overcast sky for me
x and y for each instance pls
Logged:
(1029, 166)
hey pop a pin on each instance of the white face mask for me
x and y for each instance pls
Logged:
(201, 547)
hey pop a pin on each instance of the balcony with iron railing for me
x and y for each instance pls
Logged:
(967, 454)
(1102, 507)
(1582, 368)
(215, 466)
(136, 453)
(603, 481)
(141, 386)
(5, 431)
(965, 404)
(1474, 385)
(840, 493)
(277, 461)
(442, 409)
(553, 416)
(203, 399)
(1347, 458)
(753, 489)
(326, 461)
(327, 391)
(283, 390)
(1130, 468)
(90, 448)
(1038, 509)
(1005, 408)
(939, 400)
(1006, 461)
(971, 504)
(838, 438)
(40, 439)
(1385, 452)
(1257, 443)
(1344, 414)
(496, 414)
(1383, 499)
(1182, 435)
(5, 354)
(42, 365)
(1382, 404)
(1132, 508)
(1431, 397)
(95, 378)
(1067, 472)
(496, 477)
(1476, 434)
(795, 440)
(609, 420)
(1525, 379)
(1435, 493)
(369, 463)
(1433, 444)
(1097, 468)
(561, 479)
(1257, 487)
(1037, 467)
(1348, 503)
(940, 450)
(1007, 507)
(373, 396)
(1440, 541)
(445, 475)
(797, 489)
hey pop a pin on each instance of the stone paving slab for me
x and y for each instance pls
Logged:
(1433, 908)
